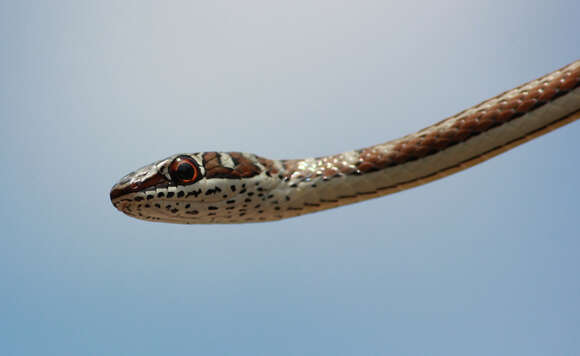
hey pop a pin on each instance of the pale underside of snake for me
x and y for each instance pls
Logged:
(233, 187)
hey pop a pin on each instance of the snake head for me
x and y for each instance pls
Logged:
(207, 187)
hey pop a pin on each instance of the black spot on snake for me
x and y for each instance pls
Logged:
(213, 191)
(195, 193)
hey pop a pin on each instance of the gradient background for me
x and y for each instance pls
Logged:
(481, 263)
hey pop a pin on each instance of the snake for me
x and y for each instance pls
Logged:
(235, 187)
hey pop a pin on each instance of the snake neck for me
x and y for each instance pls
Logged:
(454, 144)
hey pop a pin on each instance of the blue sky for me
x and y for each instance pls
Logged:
(483, 262)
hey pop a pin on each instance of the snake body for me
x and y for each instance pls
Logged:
(233, 187)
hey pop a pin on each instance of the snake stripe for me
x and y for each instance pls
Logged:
(238, 187)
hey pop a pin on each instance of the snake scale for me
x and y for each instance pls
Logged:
(234, 187)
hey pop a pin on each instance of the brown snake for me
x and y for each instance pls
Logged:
(233, 187)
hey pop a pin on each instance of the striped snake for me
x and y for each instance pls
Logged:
(233, 187)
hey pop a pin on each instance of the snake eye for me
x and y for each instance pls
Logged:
(183, 170)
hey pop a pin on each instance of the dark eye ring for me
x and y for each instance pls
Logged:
(183, 169)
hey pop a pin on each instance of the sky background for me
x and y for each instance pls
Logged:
(484, 262)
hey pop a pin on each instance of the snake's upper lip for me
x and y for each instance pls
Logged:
(127, 186)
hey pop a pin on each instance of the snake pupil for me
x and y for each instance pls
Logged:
(185, 171)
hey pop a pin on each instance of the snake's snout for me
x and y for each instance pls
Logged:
(115, 192)
(137, 181)
(118, 191)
